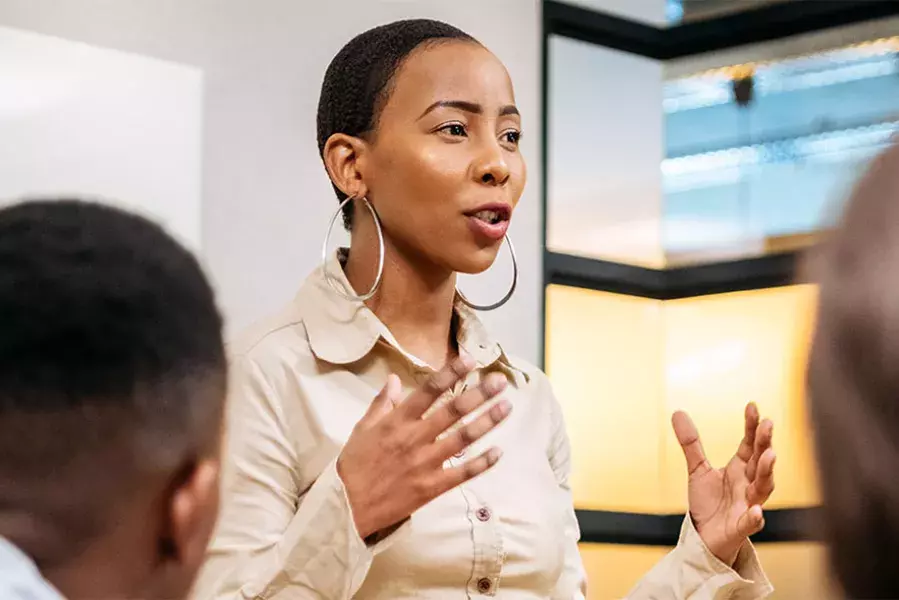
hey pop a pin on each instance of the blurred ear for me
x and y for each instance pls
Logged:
(193, 514)
(345, 158)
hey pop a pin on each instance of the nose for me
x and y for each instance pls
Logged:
(490, 167)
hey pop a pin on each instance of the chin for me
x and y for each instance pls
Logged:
(476, 261)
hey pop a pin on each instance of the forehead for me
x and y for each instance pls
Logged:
(449, 70)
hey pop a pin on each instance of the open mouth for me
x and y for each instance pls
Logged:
(492, 215)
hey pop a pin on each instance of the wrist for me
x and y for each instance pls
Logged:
(724, 550)
(727, 553)
(358, 513)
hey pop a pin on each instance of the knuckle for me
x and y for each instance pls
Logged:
(432, 385)
(421, 489)
(466, 436)
(456, 408)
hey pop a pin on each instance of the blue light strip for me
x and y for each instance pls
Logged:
(871, 137)
(808, 73)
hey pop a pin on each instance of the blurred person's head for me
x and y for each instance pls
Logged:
(112, 386)
(854, 385)
(419, 118)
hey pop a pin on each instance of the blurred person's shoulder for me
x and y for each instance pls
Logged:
(20, 578)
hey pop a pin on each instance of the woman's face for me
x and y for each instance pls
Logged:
(443, 168)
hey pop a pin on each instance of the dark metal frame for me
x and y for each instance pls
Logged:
(764, 23)
(608, 527)
(773, 270)
(761, 24)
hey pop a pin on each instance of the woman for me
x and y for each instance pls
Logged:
(853, 387)
(419, 133)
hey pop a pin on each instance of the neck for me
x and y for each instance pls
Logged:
(414, 300)
(100, 570)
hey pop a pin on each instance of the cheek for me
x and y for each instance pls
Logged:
(418, 187)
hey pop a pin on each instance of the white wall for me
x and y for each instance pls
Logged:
(266, 200)
(111, 125)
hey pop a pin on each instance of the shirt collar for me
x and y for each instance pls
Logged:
(21, 576)
(343, 331)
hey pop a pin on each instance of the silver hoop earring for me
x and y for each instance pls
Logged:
(508, 295)
(335, 285)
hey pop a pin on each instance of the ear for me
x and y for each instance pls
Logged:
(193, 514)
(345, 157)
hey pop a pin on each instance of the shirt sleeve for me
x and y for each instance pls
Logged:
(689, 572)
(692, 572)
(274, 540)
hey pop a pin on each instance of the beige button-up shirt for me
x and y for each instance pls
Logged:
(302, 379)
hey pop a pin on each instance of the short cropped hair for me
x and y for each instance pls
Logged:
(112, 364)
(853, 381)
(358, 80)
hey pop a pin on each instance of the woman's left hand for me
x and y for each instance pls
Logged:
(726, 503)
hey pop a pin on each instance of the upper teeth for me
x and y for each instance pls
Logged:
(491, 216)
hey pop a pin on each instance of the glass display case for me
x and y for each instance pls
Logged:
(760, 156)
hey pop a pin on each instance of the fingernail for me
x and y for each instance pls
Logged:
(493, 455)
(494, 383)
(500, 410)
(467, 362)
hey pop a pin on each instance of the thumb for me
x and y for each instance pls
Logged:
(384, 402)
(751, 522)
(688, 438)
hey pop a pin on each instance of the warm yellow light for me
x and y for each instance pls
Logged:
(612, 570)
(604, 355)
(797, 570)
(621, 365)
(725, 350)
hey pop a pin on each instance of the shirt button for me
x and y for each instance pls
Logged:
(484, 585)
(483, 515)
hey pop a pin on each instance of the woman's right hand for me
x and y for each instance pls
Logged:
(392, 463)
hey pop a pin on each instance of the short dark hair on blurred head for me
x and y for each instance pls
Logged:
(112, 366)
(853, 382)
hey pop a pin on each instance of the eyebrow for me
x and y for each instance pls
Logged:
(470, 107)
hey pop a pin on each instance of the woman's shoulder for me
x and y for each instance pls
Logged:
(534, 377)
(273, 340)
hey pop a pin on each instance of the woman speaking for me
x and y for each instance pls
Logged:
(358, 460)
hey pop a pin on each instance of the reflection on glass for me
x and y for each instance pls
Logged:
(685, 11)
(743, 171)
(604, 145)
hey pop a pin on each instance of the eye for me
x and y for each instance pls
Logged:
(511, 137)
(454, 129)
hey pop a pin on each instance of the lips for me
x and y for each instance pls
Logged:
(490, 221)
(491, 213)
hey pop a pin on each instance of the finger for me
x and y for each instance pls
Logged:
(384, 402)
(763, 438)
(465, 436)
(763, 486)
(456, 476)
(437, 384)
(688, 438)
(456, 408)
(751, 417)
(751, 522)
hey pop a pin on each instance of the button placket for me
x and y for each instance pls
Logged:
(488, 550)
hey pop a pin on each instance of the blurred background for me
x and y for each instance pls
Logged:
(683, 155)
